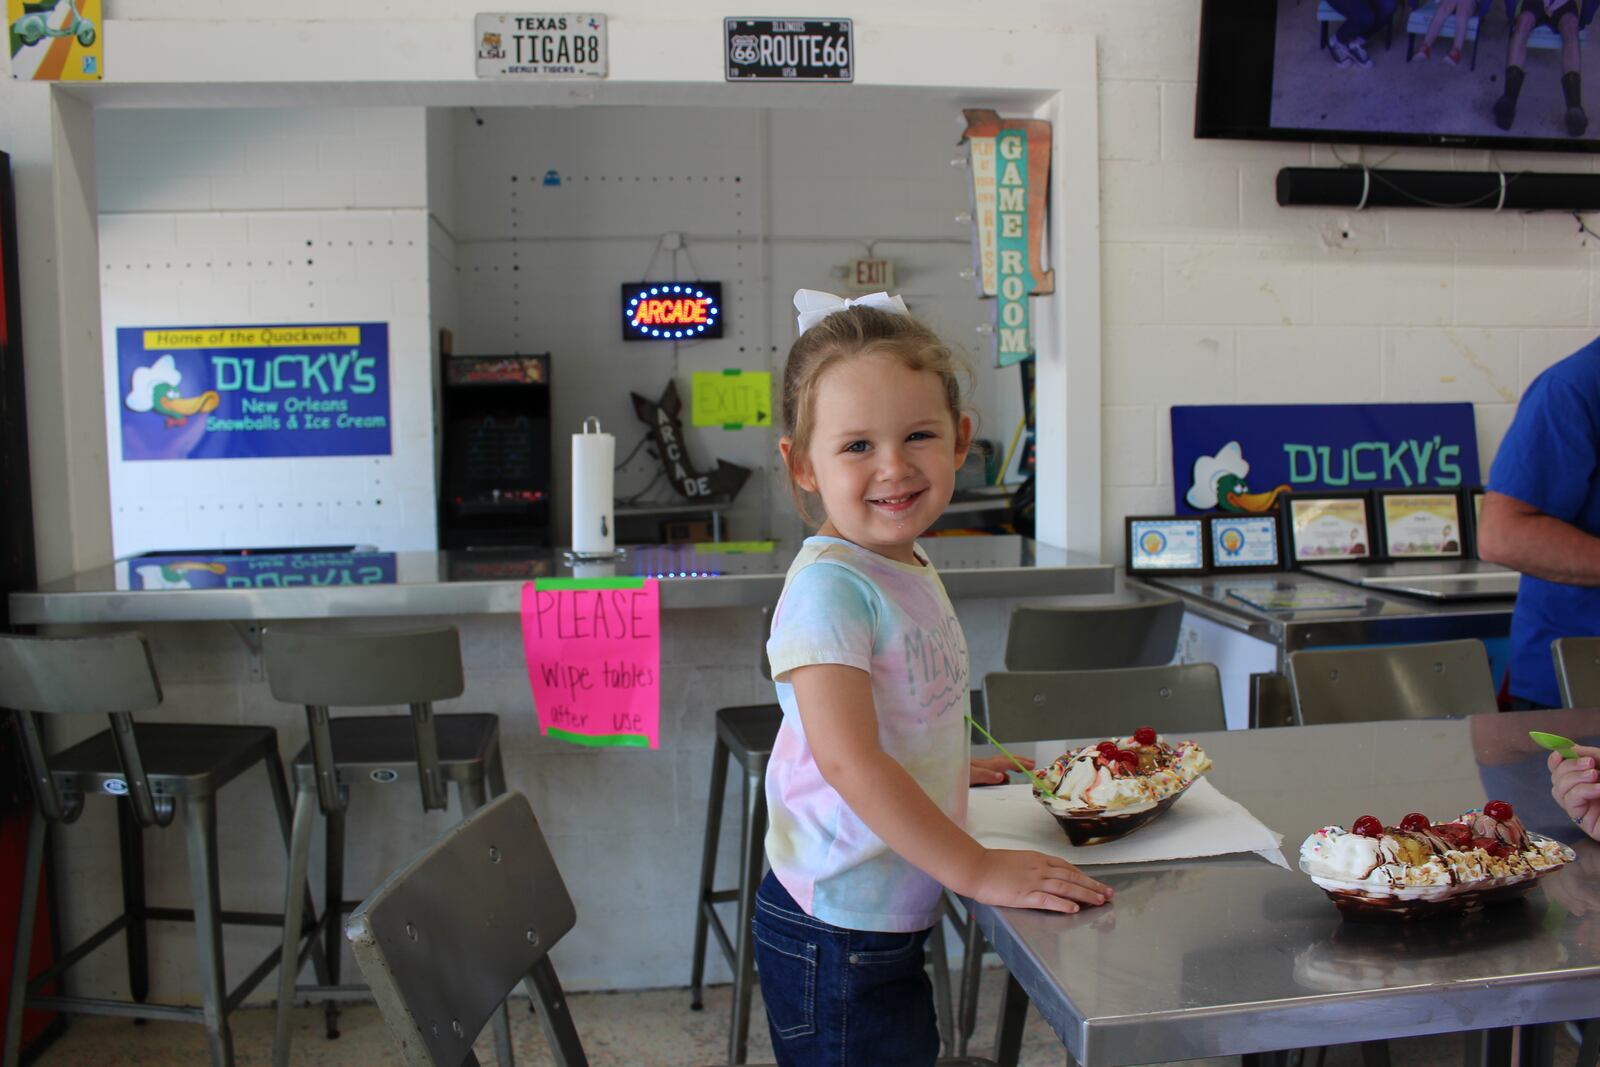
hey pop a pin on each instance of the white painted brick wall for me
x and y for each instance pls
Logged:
(269, 216)
(1214, 294)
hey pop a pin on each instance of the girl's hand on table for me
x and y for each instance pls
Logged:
(1014, 878)
(1575, 785)
(991, 770)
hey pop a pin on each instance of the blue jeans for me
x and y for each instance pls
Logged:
(1361, 17)
(841, 998)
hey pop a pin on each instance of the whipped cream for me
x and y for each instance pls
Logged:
(1470, 848)
(1084, 781)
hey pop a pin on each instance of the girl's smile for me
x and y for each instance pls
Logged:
(883, 453)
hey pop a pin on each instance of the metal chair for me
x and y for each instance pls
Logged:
(1391, 682)
(1045, 705)
(152, 770)
(1270, 701)
(1042, 705)
(1094, 637)
(322, 670)
(1577, 661)
(440, 970)
(446, 938)
(746, 734)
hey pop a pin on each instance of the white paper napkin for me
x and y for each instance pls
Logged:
(1202, 823)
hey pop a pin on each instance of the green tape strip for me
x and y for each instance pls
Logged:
(600, 740)
(588, 583)
(732, 548)
(731, 372)
(733, 426)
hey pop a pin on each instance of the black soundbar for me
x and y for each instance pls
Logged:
(1364, 187)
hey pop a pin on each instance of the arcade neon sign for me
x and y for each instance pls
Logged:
(671, 311)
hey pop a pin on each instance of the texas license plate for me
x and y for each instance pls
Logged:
(542, 45)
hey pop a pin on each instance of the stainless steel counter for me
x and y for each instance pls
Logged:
(192, 588)
(1436, 579)
(1380, 618)
(1231, 955)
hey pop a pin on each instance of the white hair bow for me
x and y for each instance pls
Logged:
(814, 305)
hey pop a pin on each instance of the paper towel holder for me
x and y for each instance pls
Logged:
(572, 557)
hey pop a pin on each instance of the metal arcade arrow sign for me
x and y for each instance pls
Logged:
(666, 427)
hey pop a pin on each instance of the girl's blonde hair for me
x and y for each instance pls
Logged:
(857, 331)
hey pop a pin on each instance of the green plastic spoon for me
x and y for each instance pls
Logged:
(1555, 743)
(1033, 779)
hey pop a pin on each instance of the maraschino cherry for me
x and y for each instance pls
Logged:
(1415, 821)
(1498, 810)
(1367, 826)
(1145, 735)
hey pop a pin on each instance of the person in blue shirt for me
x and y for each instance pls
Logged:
(1541, 516)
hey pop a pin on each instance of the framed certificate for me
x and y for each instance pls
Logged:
(1166, 544)
(1245, 542)
(1328, 527)
(1472, 514)
(1418, 524)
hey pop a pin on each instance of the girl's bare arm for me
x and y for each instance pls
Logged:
(841, 727)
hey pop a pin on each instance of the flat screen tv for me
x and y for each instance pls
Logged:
(1355, 72)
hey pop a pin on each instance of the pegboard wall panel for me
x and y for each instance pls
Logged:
(557, 207)
(163, 266)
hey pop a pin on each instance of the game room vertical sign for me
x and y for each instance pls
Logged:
(593, 648)
(1010, 161)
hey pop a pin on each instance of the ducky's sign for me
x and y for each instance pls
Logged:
(1241, 457)
(269, 571)
(242, 392)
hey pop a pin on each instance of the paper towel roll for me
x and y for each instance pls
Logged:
(594, 456)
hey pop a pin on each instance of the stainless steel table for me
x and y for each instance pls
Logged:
(1234, 955)
(487, 583)
(1433, 579)
(1382, 618)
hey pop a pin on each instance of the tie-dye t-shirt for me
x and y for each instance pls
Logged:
(844, 604)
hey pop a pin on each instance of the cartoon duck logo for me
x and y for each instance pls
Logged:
(174, 575)
(155, 389)
(1219, 483)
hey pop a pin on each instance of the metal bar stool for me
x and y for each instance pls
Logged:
(322, 670)
(747, 734)
(151, 767)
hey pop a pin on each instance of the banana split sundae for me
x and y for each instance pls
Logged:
(1104, 791)
(1420, 865)
(1121, 775)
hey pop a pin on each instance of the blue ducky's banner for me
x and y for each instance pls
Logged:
(1242, 457)
(56, 40)
(267, 571)
(245, 392)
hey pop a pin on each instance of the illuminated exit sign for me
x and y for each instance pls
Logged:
(671, 311)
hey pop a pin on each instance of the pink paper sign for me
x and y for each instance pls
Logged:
(594, 659)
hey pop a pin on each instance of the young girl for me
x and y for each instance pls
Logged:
(867, 784)
(1463, 10)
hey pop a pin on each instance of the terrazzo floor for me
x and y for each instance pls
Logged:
(654, 1028)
